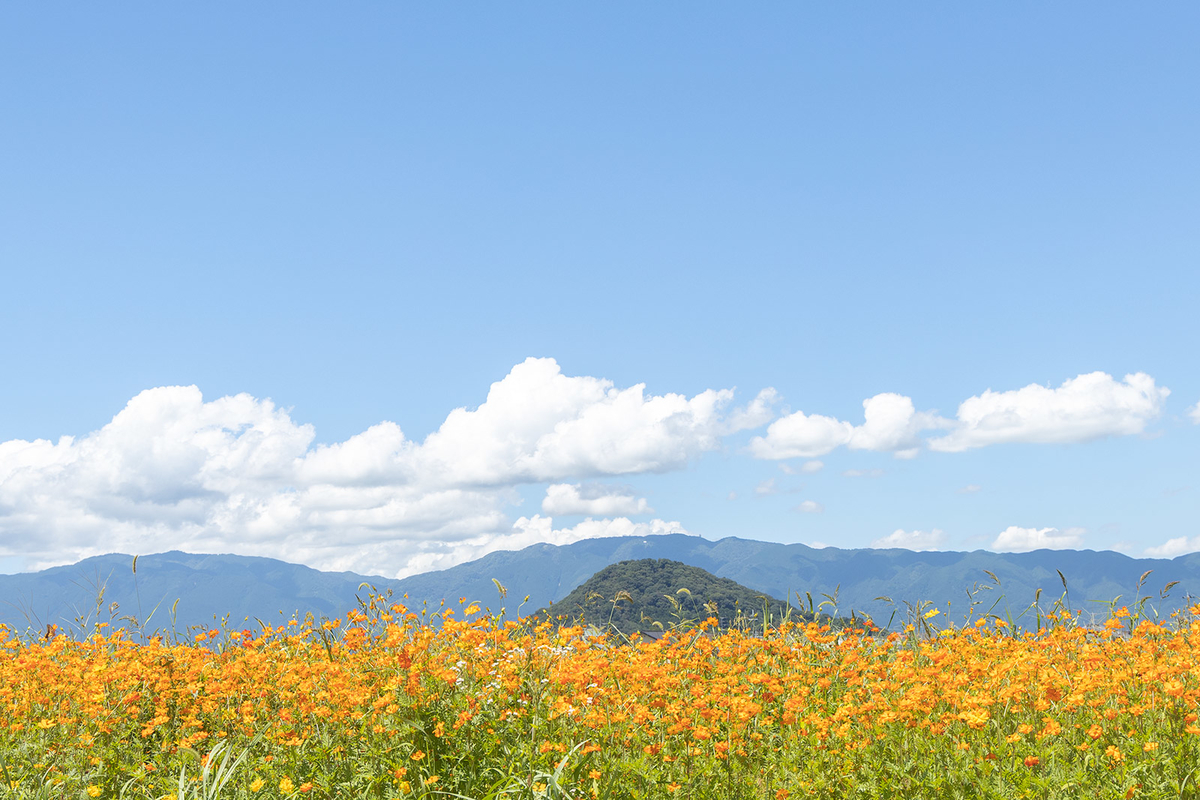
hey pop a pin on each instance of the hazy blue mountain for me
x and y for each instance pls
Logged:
(209, 586)
(546, 573)
(206, 586)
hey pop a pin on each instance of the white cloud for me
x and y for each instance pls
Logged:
(755, 414)
(1021, 540)
(1194, 413)
(810, 507)
(1178, 546)
(891, 424)
(970, 488)
(596, 500)
(801, 436)
(1085, 407)
(912, 540)
(540, 425)
(238, 474)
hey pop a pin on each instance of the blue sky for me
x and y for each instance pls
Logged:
(373, 213)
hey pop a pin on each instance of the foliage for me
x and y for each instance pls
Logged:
(657, 594)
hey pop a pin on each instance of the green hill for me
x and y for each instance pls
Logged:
(651, 594)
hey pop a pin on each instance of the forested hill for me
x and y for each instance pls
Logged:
(657, 594)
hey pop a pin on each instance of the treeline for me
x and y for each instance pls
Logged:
(657, 594)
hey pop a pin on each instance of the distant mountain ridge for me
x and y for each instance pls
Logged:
(210, 586)
(548, 572)
(207, 587)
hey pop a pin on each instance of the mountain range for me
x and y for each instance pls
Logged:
(200, 589)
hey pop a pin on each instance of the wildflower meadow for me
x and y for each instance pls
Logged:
(386, 702)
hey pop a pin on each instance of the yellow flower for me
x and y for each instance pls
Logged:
(93, 790)
(257, 784)
(286, 786)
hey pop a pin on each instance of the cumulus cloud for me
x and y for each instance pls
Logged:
(540, 425)
(1178, 546)
(891, 424)
(755, 414)
(1021, 540)
(810, 507)
(801, 436)
(1194, 413)
(1085, 407)
(911, 540)
(970, 488)
(238, 474)
(593, 499)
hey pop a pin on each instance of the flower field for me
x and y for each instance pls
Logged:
(381, 703)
